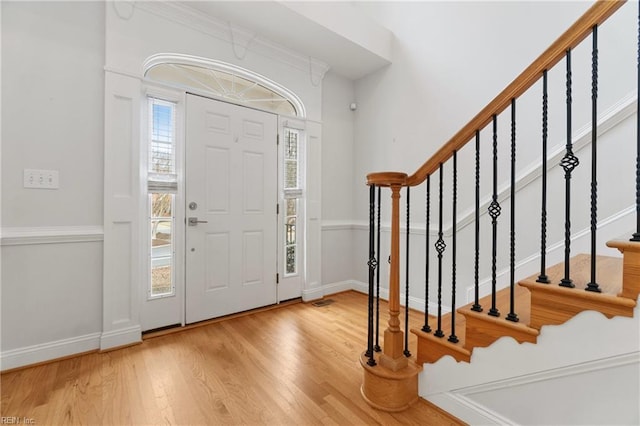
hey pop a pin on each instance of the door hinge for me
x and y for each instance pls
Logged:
(278, 208)
(277, 278)
(278, 139)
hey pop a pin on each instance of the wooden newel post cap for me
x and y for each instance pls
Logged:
(387, 179)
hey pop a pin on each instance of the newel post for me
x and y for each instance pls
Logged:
(393, 357)
(391, 384)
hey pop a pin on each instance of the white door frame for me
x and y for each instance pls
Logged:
(151, 315)
(157, 312)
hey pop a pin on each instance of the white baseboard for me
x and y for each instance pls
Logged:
(361, 287)
(21, 357)
(338, 287)
(312, 294)
(467, 410)
(121, 337)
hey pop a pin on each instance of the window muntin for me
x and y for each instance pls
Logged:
(224, 84)
(162, 186)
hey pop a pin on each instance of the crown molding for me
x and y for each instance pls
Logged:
(241, 40)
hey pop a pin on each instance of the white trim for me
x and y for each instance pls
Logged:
(123, 73)
(338, 287)
(217, 28)
(468, 410)
(337, 225)
(179, 58)
(360, 225)
(28, 355)
(556, 373)
(120, 337)
(458, 402)
(414, 302)
(17, 236)
(531, 263)
(312, 294)
(623, 109)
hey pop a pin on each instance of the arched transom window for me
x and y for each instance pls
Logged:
(224, 81)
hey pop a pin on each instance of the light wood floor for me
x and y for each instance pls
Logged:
(292, 366)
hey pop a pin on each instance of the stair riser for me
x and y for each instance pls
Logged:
(431, 349)
(631, 275)
(482, 333)
(552, 308)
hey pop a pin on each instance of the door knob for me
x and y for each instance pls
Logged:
(193, 221)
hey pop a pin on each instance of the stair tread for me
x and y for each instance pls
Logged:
(608, 274)
(624, 244)
(443, 340)
(522, 309)
(522, 304)
(520, 324)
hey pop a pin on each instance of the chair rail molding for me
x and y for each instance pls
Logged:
(17, 236)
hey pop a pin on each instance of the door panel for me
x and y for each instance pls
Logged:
(231, 175)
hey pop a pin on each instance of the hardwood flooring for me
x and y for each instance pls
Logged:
(292, 366)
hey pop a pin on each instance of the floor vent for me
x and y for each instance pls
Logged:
(323, 302)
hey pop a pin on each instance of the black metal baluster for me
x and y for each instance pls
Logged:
(569, 162)
(512, 316)
(542, 278)
(494, 212)
(440, 247)
(453, 338)
(476, 274)
(593, 285)
(406, 290)
(636, 235)
(372, 267)
(426, 327)
(377, 347)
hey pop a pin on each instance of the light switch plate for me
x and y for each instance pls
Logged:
(41, 179)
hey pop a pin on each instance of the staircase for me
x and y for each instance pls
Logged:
(542, 304)
(553, 296)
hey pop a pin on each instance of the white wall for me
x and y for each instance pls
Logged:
(577, 378)
(52, 109)
(443, 74)
(450, 59)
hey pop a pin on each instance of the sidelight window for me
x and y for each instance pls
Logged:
(162, 186)
(292, 195)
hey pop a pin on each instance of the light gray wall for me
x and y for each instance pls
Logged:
(52, 114)
(337, 147)
(52, 103)
(337, 179)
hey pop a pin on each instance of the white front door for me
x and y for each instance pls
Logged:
(231, 191)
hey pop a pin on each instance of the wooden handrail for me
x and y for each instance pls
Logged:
(596, 15)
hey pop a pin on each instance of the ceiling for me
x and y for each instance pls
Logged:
(334, 32)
